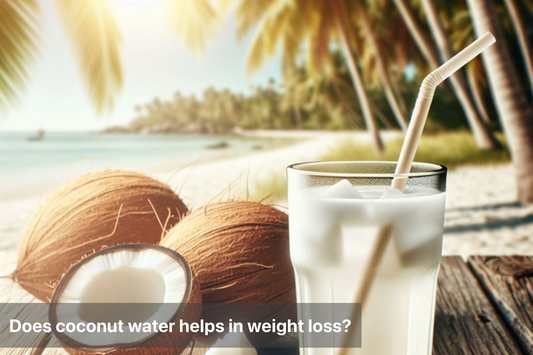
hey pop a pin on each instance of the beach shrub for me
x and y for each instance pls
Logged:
(451, 149)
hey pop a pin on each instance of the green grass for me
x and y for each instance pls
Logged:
(451, 149)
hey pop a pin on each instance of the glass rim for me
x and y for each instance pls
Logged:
(435, 169)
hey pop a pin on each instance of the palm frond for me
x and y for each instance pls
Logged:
(257, 54)
(249, 13)
(268, 34)
(295, 32)
(224, 7)
(96, 38)
(319, 42)
(18, 47)
(193, 21)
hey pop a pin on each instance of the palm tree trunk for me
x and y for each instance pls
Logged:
(520, 28)
(353, 118)
(477, 93)
(421, 40)
(298, 116)
(511, 101)
(357, 82)
(382, 70)
(381, 116)
(398, 93)
(485, 139)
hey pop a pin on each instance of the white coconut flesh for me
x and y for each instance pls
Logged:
(122, 277)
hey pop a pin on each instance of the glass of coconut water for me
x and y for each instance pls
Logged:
(356, 239)
(371, 233)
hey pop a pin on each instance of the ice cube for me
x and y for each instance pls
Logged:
(342, 189)
(418, 227)
(393, 193)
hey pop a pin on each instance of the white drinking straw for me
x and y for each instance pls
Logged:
(423, 102)
(414, 131)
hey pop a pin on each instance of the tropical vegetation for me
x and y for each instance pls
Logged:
(94, 35)
(284, 106)
(344, 64)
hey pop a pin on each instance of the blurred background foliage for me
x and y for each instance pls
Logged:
(346, 64)
(391, 44)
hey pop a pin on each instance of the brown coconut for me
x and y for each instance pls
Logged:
(173, 342)
(96, 210)
(240, 253)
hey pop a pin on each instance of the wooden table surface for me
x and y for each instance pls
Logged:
(484, 306)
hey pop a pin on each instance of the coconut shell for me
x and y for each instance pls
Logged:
(160, 343)
(83, 217)
(240, 253)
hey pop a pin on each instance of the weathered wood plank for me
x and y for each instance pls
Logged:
(508, 281)
(465, 320)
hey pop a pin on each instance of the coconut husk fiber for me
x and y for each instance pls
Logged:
(239, 251)
(94, 211)
(17, 303)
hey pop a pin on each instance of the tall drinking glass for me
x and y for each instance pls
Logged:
(351, 234)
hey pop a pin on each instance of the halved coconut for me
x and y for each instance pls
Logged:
(144, 285)
(96, 210)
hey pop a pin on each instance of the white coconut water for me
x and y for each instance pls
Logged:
(333, 231)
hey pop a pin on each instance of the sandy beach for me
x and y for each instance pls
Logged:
(482, 215)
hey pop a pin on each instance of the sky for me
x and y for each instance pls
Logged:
(155, 64)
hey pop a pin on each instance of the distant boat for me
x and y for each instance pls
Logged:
(39, 136)
(220, 145)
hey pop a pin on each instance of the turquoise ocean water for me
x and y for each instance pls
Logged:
(27, 167)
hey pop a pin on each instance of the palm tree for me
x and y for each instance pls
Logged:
(459, 24)
(193, 21)
(331, 93)
(340, 81)
(477, 83)
(290, 23)
(419, 35)
(336, 79)
(96, 38)
(18, 47)
(339, 13)
(295, 94)
(511, 101)
(520, 28)
(93, 32)
(364, 17)
(483, 136)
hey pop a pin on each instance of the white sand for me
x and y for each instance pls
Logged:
(211, 181)
(205, 182)
(482, 216)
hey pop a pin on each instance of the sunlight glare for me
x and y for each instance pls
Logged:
(136, 1)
